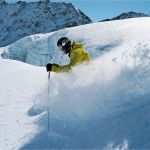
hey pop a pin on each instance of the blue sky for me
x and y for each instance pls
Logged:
(101, 9)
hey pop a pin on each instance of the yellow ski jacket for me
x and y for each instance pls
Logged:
(77, 56)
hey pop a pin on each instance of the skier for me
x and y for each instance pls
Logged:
(75, 51)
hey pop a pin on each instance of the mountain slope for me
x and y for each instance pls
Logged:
(20, 19)
(102, 105)
(126, 15)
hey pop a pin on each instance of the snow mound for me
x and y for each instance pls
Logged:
(97, 38)
(102, 105)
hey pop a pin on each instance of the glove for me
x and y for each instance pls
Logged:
(49, 67)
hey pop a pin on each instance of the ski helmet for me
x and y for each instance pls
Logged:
(65, 44)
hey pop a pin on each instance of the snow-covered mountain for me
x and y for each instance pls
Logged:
(41, 48)
(102, 105)
(126, 15)
(20, 19)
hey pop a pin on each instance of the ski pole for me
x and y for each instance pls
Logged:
(48, 111)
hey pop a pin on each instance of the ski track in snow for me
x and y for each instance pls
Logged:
(15, 101)
(102, 105)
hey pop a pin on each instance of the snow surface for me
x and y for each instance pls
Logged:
(102, 105)
(97, 38)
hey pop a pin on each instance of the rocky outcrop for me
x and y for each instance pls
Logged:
(21, 19)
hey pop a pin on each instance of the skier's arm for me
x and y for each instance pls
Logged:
(59, 68)
(76, 57)
(63, 68)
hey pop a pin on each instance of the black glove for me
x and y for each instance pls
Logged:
(49, 67)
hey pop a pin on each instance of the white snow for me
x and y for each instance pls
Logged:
(97, 38)
(17, 90)
(102, 105)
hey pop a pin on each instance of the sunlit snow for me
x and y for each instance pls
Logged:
(103, 105)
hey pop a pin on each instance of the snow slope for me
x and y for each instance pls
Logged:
(97, 38)
(102, 105)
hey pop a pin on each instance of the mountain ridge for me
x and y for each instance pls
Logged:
(126, 15)
(21, 19)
